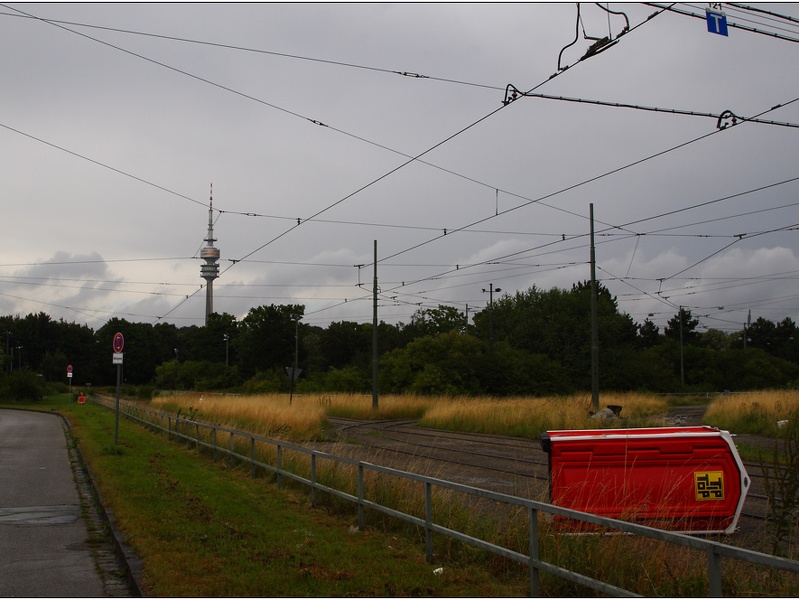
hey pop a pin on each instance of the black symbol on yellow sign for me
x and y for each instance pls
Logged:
(709, 485)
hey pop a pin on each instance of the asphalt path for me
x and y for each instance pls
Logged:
(43, 536)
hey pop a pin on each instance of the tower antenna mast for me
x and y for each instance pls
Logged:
(210, 270)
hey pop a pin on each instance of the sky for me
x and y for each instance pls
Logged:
(320, 130)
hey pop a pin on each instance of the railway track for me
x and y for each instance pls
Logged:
(510, 465)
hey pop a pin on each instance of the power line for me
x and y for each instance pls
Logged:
(325, 61)
(686, 13)
(723, 120)
(318, 220)
(101, 164)
(763, 11)
(93, 261)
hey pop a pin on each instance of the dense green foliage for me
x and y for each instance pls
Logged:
(541, 345)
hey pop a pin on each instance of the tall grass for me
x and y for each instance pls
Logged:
(267, 415)
(529, 417)
(303, 419)
(753, 412)
(644, 566)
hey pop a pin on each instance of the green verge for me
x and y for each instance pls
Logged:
(202, 529)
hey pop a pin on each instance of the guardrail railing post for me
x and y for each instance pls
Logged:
(169, 428)
(535, 575)
(428, 520)
(213, 441)
(252, 456)
(279, 466)
(313, 480)
(713, 573)
(197, 431)
(360, 497)
(232, 449)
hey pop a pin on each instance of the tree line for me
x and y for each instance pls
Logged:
(533, 342)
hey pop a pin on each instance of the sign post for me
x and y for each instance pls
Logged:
(293, 373)
(119, 344)
(69, 377)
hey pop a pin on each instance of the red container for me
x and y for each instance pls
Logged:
(688, 479)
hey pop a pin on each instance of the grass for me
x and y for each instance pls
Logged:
(205, 530)
(304, 419)
(268, 415)
(754, 412)
(271, 415)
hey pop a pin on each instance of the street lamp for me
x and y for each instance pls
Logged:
(491, 291)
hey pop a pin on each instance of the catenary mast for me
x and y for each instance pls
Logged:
(210, 270)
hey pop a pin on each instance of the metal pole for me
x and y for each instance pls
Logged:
(491, 316)
(535, 575)
(116, 411)
(491, 291)
(428, 520)
(374, 334)
(594, 326)
(713, 573)
(360, 497)
(682, 360)
(296, 358)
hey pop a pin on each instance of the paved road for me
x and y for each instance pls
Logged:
(43, 535)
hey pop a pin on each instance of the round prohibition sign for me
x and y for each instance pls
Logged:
(119, 342)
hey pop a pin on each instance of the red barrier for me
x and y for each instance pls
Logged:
(688, 479)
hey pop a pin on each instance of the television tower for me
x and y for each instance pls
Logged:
(210, 270)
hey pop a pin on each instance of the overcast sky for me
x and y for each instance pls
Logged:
(117, 118)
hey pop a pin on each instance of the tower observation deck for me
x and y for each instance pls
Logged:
(210, 254)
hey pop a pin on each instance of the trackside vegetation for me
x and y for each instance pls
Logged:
(206, 528)
(539, 345)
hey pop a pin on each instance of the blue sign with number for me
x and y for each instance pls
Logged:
(716, 22)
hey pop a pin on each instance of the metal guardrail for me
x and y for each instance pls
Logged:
(190, 431)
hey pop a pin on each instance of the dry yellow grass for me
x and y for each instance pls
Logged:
(272, 415)
(268, 415)
(528, 416)
(753, 412)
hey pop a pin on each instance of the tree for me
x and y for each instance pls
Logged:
(762, 334)
(432, 321)
(346, 343)
(648, 334)
(267, 338)
(683, 319)
(716, 340)
(557, 323)
(207, 343)
(442, 364)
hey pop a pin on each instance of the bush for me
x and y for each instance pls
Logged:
(347, 379)
(22, 386)
(266, 382)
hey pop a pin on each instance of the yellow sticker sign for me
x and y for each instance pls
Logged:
(709, 485)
